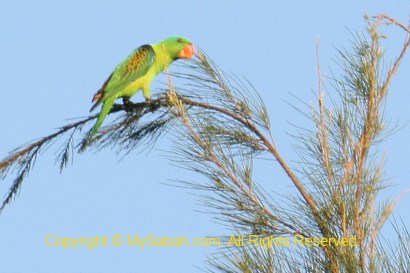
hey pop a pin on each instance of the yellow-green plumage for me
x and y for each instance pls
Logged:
(137, 72)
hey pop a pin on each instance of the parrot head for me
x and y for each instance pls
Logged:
(179, 48)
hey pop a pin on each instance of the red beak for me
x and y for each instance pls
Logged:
(187, 52)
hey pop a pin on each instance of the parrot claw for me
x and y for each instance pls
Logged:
(127, 104)
(126, 101)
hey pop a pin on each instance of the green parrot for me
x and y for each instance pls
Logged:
(136, 73)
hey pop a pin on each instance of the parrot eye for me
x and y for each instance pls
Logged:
(179, 40)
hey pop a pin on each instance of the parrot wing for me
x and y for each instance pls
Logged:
(135, 66)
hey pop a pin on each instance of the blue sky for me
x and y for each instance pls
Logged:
(55, 54)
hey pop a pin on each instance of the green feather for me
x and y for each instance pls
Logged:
(107, 105)
(136, 73)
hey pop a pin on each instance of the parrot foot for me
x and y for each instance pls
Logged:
(126, 101)
(127, 104)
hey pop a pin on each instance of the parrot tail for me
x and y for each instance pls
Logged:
(106, 108)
